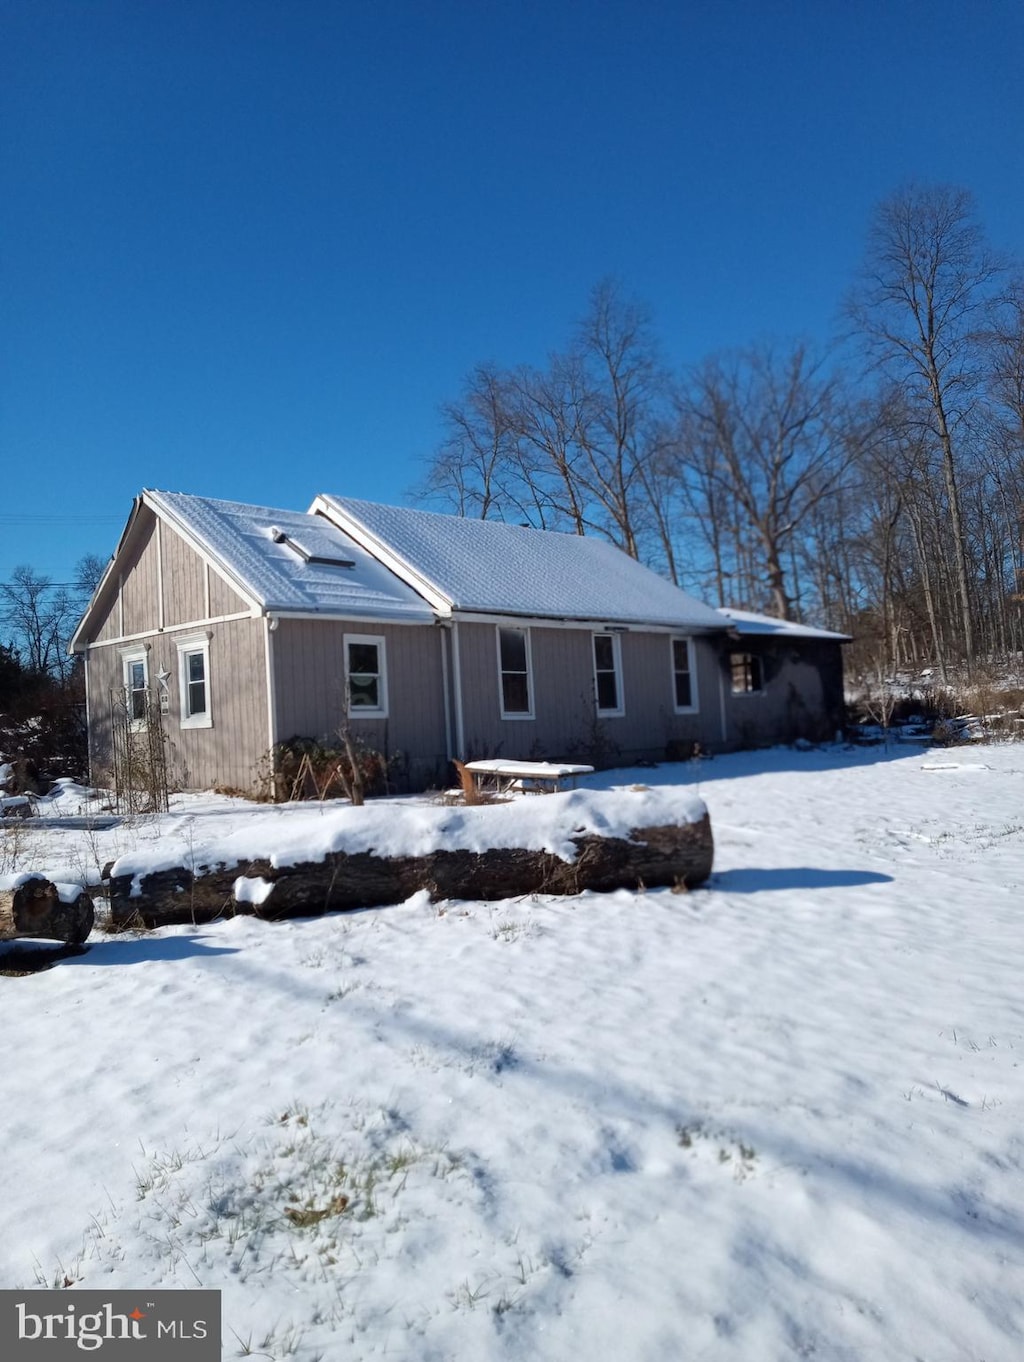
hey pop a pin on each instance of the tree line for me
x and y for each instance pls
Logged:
(873, 484)
(38, 617)
(42, 693)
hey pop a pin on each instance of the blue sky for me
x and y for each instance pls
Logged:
(248, 247)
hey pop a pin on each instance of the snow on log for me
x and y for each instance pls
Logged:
(669, 854)
(34, 907)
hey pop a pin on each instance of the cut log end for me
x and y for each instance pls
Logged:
(36, 909)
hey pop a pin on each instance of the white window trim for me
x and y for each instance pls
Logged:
(757, 690)
(198, 643)
(128, 656)
(620, 709)
(519, 713)
(380, 710)
(691, 653)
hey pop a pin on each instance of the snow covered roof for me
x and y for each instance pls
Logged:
(488, 566)
(291, 561)
(746, 622)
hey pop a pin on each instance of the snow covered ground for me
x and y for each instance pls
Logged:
(777, 1117)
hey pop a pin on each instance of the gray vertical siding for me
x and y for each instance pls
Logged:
(309, 670)
(565, 723)
(138, 599)
(107, 627)
(139, 590)
(224, 600)
(174, 591)
(103, 673)
(229, 752)
(183, 571)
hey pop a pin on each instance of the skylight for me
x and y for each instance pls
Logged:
(314, 545)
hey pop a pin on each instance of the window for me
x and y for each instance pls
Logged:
(684, 677)
(136, 687)
(194, 682)
(746, 673)
(366, 683)
(608, 674)
(514, 668)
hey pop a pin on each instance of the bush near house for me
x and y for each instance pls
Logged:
(304, 768)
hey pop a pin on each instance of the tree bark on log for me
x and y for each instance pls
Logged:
(35, 909)
(673, 855)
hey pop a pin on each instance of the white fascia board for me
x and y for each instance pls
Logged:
(277, 613)
(600, 625)
(403, 570)
(171, 631)
(207, 554)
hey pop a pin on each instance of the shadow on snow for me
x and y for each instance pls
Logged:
(754, 879)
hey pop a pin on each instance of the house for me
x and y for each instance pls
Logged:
(231, 628)
(785, 680)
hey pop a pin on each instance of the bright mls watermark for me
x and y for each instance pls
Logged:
(52, 1326)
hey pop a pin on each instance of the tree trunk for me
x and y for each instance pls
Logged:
(957, 525)
(35, 909)
(929, 599)
(673, 856)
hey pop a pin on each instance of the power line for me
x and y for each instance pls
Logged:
(9, 518)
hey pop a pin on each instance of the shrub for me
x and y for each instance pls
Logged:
(304, 768)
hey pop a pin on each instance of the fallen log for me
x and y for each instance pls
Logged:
(677, 856)
(35, 908)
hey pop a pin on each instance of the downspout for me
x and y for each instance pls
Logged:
(269, 629)
(88, 714)
(446, 694)
(460, 737)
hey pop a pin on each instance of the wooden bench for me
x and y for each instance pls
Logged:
(496, 776)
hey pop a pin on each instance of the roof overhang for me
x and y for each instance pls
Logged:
(327, 506)
(375, 617)
(592, 624)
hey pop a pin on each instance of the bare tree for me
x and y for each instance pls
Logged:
(1007, 351)
(762, 448)
(569, 445)
(39, 615)
(626, 397)
(471, 471)
(547, 412)
(921, 306)
(89, 572)
(895, 511)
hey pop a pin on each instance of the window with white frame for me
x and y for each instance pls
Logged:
(746, 673)
(515, 673)
(194, 682)
(136, 685)
(366, 682)
(608, 674)
(684, 676)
